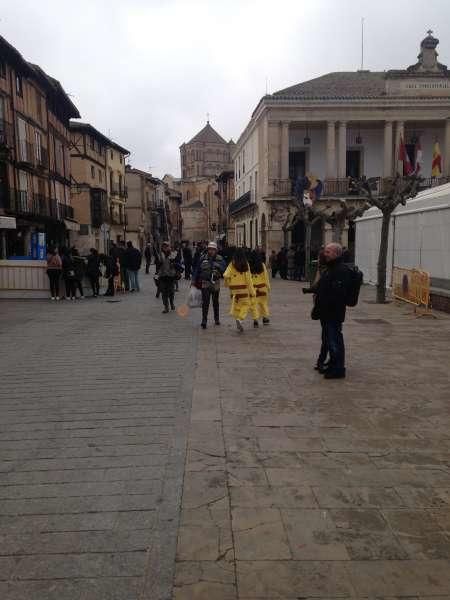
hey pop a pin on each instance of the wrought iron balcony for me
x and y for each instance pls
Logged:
(242, 202)
(53, 208)
(40, 206)
(19, 202)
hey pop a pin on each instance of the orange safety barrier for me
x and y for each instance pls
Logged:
(412, 286)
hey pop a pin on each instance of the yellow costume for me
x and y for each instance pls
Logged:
(242, 291)
(260, 304)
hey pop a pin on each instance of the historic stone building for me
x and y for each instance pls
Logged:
(339, 126)
(203, 158)
(35, 168)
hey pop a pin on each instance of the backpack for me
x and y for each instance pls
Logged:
(355, 281)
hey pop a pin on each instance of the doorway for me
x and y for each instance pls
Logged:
(353, 168)
(297, 164)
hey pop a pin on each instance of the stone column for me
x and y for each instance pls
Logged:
(446, 151)
(399, 133)
(387, 161)
(331, 150)
(284, 150)
(342, 150)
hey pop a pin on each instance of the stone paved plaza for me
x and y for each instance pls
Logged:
(143, 459)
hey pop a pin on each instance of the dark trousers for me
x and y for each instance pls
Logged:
(79, 286)
(323, 354)
(110, 290)
(54, 276)
(124, 278)
(274, 272)
(166, 288)
(335, 344)
(71, 287)
(187, 270)
(147, 266)
(207, 294)
(95, 284)
(283, 272)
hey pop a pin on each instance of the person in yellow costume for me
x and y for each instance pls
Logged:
(260, 280)
(238, 279)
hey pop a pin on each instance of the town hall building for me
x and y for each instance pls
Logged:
(334, 128)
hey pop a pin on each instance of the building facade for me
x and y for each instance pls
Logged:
(35, 166)
(203, 158)
(335, 128)
(116, 190)
(225, 196)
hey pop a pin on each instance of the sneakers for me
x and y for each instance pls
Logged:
(172, 307)
(239, 326)
(255, 324)
(203, 325)
(57, 297)
(165, 311)
(266, 321)
(217, 323)
(52, 298)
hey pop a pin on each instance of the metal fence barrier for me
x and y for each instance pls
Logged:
(412, 286)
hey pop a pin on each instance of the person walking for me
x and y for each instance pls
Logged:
(168, 272)
(187, 256)
(261, 283)
(148, 257)
(239, 280)
(133, 261)
(80, 268)
(273, 263)
(93, 271)
(330, 307)
(207, 275)
(54, 269)
(68, 273)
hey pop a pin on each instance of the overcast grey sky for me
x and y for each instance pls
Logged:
(148, 71)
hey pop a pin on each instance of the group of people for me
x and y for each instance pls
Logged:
(288, 262)
(243, 271)
(120, 268)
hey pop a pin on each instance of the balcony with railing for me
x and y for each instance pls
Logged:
(40, 206)
(244, 201)
(336, 188)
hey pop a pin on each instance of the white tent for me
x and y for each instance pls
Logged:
(419, 237)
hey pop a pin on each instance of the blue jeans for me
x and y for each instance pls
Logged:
(335, 343)
(133, 279)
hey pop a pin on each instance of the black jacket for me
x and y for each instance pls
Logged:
(133, 259)
(93, 265)
(331, 292)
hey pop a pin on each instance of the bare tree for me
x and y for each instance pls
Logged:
(340, 216)
(394, 191)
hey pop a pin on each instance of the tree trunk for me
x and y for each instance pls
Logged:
(337, 233)
(382, 258)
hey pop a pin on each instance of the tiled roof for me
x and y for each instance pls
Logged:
(345, 84)
(208, 135)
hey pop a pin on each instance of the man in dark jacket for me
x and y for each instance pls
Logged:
(168, 271)
(148, 257)
(330, 306)
(208, 272)
(133, 260)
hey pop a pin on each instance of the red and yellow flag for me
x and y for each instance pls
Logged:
(436, 165)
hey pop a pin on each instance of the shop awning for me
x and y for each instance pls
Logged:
(72, 225)
(7, 223)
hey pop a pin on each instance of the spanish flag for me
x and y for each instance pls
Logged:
(436, 165)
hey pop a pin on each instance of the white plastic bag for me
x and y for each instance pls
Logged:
(194, 298)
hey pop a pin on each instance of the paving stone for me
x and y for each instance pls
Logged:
(205, 581)
(259, 534)
(272, 497)
(369, 497)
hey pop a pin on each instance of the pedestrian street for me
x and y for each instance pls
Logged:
(142, 457)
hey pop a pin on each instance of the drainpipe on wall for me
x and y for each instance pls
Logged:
(393, 249)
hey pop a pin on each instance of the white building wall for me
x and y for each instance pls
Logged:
(248, 154)
(419, 236)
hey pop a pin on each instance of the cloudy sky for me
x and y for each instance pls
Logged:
(147, 72)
